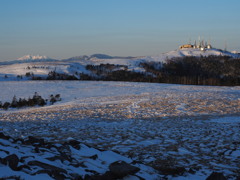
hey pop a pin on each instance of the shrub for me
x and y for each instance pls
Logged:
(6, 105)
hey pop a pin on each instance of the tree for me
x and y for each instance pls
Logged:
(41, 102)
(30, 102)
(52, 99)
(14, 102)
(58, 97)
(28, 74)
(6, 105)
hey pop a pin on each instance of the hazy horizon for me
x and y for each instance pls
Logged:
(61, 29)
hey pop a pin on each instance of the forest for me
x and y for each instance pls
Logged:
(210, 70)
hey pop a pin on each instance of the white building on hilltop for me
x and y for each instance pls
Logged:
(202, 45)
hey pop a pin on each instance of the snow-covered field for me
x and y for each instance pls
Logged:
(161, 125)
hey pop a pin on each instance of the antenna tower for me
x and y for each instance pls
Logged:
(189, 40)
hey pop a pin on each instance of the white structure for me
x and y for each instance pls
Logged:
(202, 45)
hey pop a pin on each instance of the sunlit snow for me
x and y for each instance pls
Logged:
(194, 127)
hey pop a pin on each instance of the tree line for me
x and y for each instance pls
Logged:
(36, 100)
(210, 70)
(203, 70)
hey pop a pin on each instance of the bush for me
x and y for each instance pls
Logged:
(52, 99)
(35, 100)
(6, 105)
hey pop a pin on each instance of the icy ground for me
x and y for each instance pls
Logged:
(161, 125)
(34, 158)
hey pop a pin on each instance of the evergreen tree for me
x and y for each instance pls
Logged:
(14, 102)
(52, 100)
(6, 105)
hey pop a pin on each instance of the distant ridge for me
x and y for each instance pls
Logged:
(32, 57)
(97, 56)
(29, 58)
(84, 57)
(101, 57)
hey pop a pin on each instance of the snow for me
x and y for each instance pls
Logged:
(197, 52)
(42, 65)
(100, 164)
(188, 126)
(40, 69)
(98, 92)
(226, 120)
(32, 57)
(6, 172)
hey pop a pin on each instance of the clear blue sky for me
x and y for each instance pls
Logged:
(66, 28)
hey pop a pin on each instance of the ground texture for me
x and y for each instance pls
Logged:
(182, 131)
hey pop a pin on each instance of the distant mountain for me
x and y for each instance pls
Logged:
(101, 56)
(96, 56)
(32, 57)
(105, 56)
(84, 57)
(76, 58)
(35, 58)
(29, 58)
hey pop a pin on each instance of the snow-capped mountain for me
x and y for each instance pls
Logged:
(28, 58)
(32, 57)
(35, 58)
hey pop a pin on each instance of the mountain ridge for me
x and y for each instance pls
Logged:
(161, 57)
(32, 57)
(100, 66)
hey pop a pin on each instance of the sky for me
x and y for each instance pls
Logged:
(66, 28)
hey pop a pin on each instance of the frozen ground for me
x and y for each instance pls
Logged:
(34, 158)
(162, 125)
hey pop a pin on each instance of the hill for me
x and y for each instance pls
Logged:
(102, 67)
